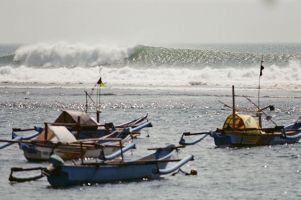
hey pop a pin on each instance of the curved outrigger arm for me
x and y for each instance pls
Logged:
(203, 136)
(134, 122)
(117, 153)
(12, 178)
(294, 137)
(138, 128)
(15, 137)
(176, 166)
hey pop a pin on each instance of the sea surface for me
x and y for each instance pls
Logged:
(211, 65)
(180, 87)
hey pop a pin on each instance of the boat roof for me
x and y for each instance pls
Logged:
(241, 121)
(71, 116)
(57, 134)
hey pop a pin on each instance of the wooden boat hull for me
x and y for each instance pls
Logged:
(125, 132)
(42, 152)
(243, 139)
(77, 175)
(240, 138)
(149, 167)
(35, 153)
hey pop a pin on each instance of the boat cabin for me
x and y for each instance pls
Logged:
(75, 117)
(56, 134)
(241, 122)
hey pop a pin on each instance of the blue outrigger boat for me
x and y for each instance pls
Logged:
(149, 167)
(80, 124)
(59, 140)
(249, 136)
(72, 127)
(241, 130)
(152, 166)
(55, 158)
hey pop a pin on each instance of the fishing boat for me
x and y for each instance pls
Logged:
(152, 166)
(56, 137)
(81, 125)
(241, 130)
(54, 157)
(69, 127)
(59, 140)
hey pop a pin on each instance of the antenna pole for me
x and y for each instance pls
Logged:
(86, 106)
(97, 115)
(233, 107)
(259, 82)
(98, 98)
(260, 74)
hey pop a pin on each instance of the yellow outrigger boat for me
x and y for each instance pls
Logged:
(241, 130)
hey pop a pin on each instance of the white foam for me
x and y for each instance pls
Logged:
(274, 76)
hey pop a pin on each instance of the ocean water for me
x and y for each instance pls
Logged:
(145, 66)
(180, 88)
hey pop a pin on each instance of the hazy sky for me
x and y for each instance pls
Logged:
(150, 21)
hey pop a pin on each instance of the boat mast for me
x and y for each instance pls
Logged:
(100, 84)
(233, 106)
(258, 110)
(86, 106)
(88, 96)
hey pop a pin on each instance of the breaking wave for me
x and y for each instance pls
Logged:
(78, 55)
(68, 55)
(158, 56)
(147, 66)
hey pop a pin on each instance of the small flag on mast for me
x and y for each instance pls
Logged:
(261, 68)
(101, 84)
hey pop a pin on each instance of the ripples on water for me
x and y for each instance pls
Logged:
(271, 172)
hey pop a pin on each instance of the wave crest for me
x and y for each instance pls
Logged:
(69, 55)
(160, 56)
(79, 55)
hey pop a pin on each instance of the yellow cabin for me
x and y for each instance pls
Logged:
(242, 123)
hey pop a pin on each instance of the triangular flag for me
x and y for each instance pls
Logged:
(101, 84)
(99, 81)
